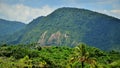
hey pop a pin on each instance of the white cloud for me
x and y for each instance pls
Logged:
(23, 13)
(113, 12)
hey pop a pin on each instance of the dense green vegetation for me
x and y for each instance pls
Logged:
(68, 26)
(34, 56)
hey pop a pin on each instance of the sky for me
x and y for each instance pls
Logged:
(27, 10)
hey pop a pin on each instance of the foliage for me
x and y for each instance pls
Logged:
(28, 56)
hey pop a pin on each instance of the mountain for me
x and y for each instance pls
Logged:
(69, 26)
(21, 34)
(9, 27)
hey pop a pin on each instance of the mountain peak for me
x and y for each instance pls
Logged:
(66, 9)
(69, 8)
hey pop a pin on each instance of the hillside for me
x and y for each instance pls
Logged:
(9, 27)
(69, 26)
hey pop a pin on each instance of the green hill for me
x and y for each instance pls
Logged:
(9, 27)
(69, 26)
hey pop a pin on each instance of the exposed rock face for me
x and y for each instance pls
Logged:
(42, 38)
(56, 38)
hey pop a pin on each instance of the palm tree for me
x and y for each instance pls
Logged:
(82, 55)
(80, 52)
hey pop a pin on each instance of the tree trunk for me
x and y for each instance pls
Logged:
(82, 63)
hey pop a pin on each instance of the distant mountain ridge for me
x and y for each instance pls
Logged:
(69, 26)
(9, 27)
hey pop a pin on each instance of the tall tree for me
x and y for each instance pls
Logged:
(82, 55)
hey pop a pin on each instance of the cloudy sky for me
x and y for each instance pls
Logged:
(27, 10)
